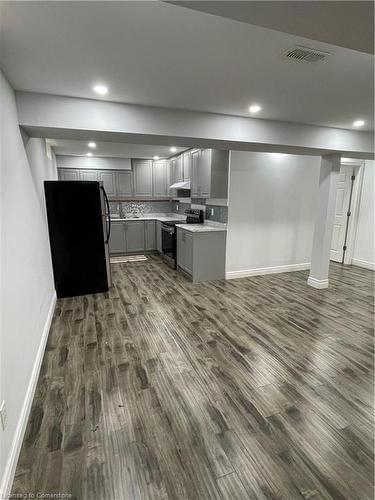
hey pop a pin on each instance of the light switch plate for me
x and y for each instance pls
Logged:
(3, 415)
(212, 211)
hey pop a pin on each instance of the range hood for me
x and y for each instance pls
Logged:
(180, 185)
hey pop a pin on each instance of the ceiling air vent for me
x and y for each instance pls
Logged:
(304, 54)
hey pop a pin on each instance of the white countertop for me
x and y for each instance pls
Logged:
(159, 217)
(207, 227)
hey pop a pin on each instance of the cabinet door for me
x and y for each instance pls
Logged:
(159, 176)
(194, 173)
(187, 166)
(135, 236)
(109, 182)
(204, 173)
(185, 250)
(68, 174)
(179, 171)
(124, 183)
(142, 171)
(117, 238)
(88, 175)
(158, 237)
(150, 235)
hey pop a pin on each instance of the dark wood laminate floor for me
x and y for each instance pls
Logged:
(258, 388)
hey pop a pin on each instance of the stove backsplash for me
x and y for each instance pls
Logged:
(220, 214)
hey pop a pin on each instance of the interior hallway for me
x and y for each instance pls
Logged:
(251, 388)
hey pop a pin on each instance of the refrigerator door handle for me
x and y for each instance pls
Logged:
(108, 215)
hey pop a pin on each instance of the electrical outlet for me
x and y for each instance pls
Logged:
(212, 211)
(3, 415)
(177, 207)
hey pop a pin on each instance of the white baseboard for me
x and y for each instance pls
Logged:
(363, 263)
(315, 283)
(267, 270)
(10, 467)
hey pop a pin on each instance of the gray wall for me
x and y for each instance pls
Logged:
(27, 286)
(271, 210)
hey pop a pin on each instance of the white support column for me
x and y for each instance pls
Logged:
(324, 218)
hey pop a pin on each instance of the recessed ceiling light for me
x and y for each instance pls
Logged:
(89, 154)
(173, 149)
(254, 108)
(100, 89)
(358, 123)
(92, 145)
(156, 157)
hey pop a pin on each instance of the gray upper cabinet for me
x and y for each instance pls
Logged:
(109, 182)
(124, 183)
(194, 173)
(204, 174)
(150, 235)
(68, 174)
(159, 178)
(135, 236)
(88, 175)
(209, 169)
(187, 166)
(142, 175)
(179, 169)
(117, 238)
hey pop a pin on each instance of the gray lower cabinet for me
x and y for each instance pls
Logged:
(117, 238)
(109, 182)
(201, 255)
(142, 175)
(185, 250)
(159, 247)
(124, 183)
(135, 236)
(150, 235)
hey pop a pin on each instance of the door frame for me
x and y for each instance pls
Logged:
(358, 166)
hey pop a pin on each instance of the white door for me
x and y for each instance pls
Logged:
(342, 206)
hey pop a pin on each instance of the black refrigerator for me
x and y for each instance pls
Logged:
(79, 226)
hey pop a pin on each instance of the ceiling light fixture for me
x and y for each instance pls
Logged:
(92, 145)
(89, 154)
(173, 149)
(358, 123)
(254, 108)
(100, 89)
(156, 157)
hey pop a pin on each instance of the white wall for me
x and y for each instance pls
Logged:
(27, 288)
(271, 212)
(92, 119)
(364, 249)
(66, 161)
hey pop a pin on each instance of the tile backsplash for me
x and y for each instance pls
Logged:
(126, 208)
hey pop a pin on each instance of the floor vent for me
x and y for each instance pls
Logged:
(304, 54)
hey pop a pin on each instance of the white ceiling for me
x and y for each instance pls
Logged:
(160, 54)
(111, 149)
(346, 23)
